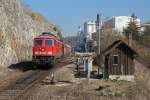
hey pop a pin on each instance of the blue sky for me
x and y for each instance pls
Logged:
(69, 14)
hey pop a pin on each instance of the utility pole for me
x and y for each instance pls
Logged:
(98, 22)
(98, 26)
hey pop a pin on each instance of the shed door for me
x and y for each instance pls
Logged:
(115, 68)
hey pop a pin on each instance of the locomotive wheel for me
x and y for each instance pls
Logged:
(38, 66)
(46, 67)
(35, 66)
(54, 62)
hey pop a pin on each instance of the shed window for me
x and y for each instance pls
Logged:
(115, 59)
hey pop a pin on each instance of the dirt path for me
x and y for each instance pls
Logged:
(68, 87)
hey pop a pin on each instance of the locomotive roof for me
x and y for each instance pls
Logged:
(43, 36)
(47, 37)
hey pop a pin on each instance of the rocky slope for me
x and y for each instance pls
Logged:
(18, 26)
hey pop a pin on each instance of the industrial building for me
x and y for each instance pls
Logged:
(89, 28)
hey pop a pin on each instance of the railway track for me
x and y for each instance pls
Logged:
(22, 87)
(17, 90)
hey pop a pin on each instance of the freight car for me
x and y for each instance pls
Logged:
(66, 49)
(48, 49)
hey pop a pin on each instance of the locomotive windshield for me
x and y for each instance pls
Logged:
(38, 42)
(48, 42)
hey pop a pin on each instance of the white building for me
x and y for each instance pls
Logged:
(143, 25)
(119, 23)
(89, 28)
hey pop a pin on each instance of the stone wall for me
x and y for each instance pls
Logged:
(18, 27)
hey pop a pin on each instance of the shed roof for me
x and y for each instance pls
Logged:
(116, 44)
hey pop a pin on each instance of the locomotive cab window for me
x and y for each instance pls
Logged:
(38, 42)
(48, 42)
(115, 59)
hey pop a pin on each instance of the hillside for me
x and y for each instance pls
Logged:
(18, 26)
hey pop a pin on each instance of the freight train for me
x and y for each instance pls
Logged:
(49, 49)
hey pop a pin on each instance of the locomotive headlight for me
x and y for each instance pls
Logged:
(42, 49)
(37, 53)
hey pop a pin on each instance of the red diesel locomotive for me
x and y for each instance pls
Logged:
(48, 49)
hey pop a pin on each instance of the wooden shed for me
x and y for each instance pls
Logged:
(119, 61)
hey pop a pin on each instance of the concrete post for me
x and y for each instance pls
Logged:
(90, 64)
(88, 72)
(84, 62)
(89, 67)
(77, 66)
